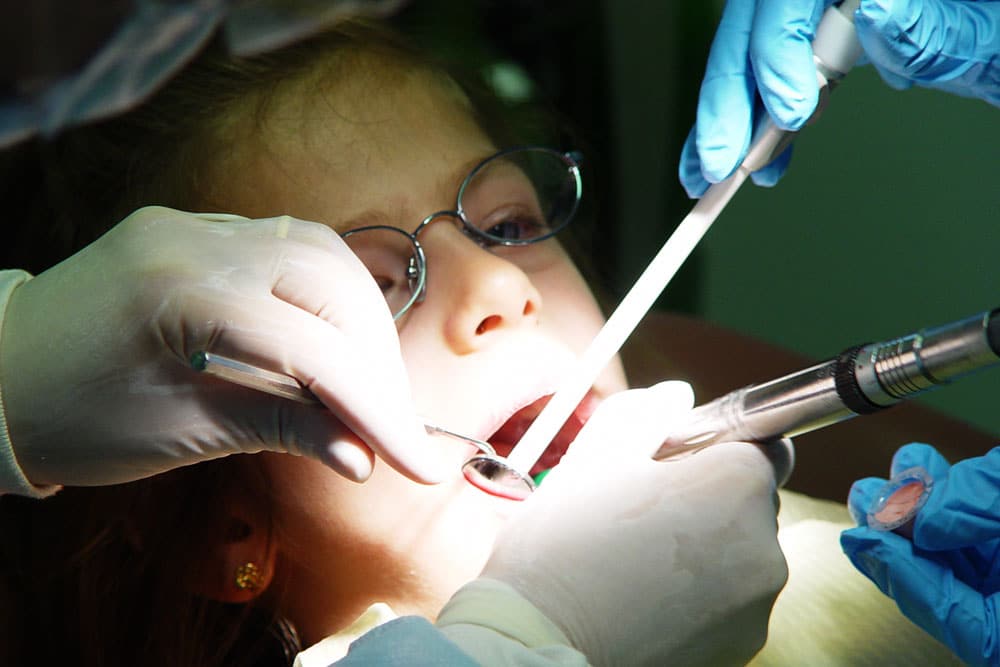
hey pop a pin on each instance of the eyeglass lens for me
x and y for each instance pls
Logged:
(513, 198)
(391, 256)
(520, 197)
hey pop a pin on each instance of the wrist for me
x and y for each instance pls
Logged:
(487, 613)
(12, 477)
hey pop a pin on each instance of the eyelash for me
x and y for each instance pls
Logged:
(513, 215)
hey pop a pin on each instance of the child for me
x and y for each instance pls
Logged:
(208, 564)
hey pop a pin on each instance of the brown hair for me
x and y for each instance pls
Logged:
(97, 576)
(162, 153)
(101, 576)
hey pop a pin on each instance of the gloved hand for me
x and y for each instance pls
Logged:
(947, 580)
(639, 561)
(951, 45)
(95, 380)
(761, 61)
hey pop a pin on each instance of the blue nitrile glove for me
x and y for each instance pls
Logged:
(947, 580)
(761, 58)
(952, 45)
(762, 52)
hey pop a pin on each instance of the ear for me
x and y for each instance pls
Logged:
(240, 559)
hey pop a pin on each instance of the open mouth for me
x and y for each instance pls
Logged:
(512, 430)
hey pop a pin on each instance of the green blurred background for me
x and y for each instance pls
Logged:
(888, 219)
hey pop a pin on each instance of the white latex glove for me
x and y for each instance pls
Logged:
(94, 373)
(643, 562)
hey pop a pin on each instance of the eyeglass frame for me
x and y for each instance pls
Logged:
(571, 159)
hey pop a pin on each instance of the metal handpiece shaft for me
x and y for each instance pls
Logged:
(861, 380)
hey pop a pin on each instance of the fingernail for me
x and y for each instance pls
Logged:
(350, 460)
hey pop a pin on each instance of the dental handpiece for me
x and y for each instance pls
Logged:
(861, 380)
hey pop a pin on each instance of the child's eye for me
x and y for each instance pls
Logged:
(397, 288)
(389, 254)
(515, 226)
(394, 280)
(385, 283)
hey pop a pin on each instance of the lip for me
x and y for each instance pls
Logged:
(524, 380)
(535, 379)
(508, 433)
(489, 425)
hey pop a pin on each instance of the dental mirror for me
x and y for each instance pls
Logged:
(491, 473)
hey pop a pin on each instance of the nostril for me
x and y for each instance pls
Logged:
(488, 324)
(529, 308)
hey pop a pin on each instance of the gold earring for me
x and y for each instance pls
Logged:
(249, 577)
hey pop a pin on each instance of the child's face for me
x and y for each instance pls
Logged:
(496, 331)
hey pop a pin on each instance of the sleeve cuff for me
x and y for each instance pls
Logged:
(489, 619)
(12, 479)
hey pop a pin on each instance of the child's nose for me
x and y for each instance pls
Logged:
(486, 296)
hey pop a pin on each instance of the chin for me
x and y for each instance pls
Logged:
(457, 549)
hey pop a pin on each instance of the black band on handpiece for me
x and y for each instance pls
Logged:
(847, 385)
(993, 331)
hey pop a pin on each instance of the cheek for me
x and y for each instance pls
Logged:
(570, 310)
(390, 523)
(572, 314)
(311, 501)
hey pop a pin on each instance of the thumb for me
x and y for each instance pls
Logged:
(281, 425)
(329, 441)
(633, 422)
(927, 592)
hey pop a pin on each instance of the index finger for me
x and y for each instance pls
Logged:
(725, 103)
(963, 510)
(782, 57)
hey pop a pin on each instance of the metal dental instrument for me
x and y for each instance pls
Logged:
(278, 384)
(861, 380)
(835, 50)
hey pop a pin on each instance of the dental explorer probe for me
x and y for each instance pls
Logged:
(860, 380)
(835, 51)
(285, 386)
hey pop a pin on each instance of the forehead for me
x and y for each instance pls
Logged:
(332, 148)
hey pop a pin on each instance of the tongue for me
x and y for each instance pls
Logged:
(515, 427)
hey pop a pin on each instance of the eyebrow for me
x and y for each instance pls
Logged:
(379, 216)
(367, 218)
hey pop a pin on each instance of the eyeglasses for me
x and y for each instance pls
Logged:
(516, 197)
